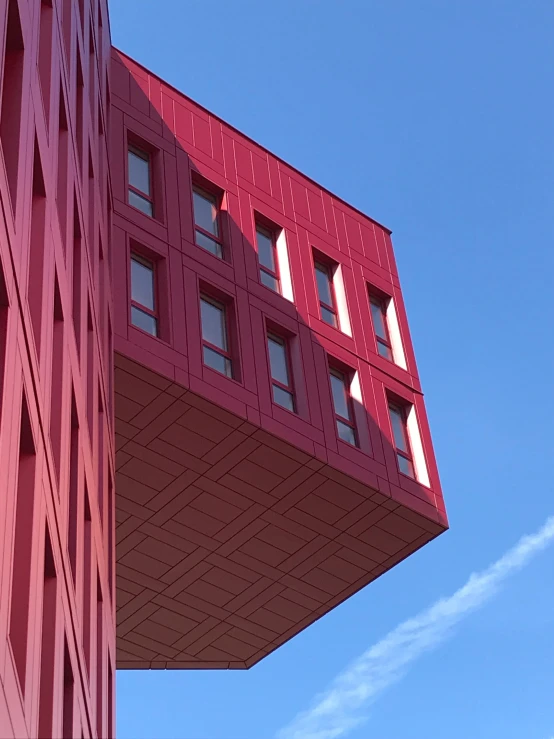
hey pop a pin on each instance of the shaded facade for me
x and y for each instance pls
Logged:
(267, 453)
(57, 631)
(263, 362)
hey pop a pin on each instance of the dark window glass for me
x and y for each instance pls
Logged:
(214, 329)
(346, 433)
(398, 429)
(269, 281)
(143, 295)
(278, 360)
(378, 315)
(324, 287)
(283, 392)
(343, 407)
(217, 361)
(141, 203)
(283, 398)
(328, 316)
(266, 249)
(405, 465)
(401, 440)
(139, 171)
(384, 350)
(143, 320)
(267, 257)
(206, 212)
(214, 336)
(340, 396)
(214, 247)
(142, 283)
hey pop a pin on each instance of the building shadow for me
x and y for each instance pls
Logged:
(305, 519)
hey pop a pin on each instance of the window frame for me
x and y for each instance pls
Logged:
(381, 302)
(328, 269)
(228, 353)
(344, 376)
(270, 233)
(217, 200)
(155, 314)
(290, 389)
(147, 157)
(402, 410)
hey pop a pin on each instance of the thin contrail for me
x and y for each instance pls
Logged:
(337, 711)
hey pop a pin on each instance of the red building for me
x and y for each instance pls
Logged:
(268, 452)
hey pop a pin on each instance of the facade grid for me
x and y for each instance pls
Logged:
(212, 430)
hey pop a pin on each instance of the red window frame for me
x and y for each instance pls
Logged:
(381, 303)
(345, 379)
(402, 412)
(147, 157)
(285, 343)
(216, 200)
(269, 233)
(139, 306)
(226, 353)
(328, 270)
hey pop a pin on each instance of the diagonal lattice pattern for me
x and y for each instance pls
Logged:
(230, 541)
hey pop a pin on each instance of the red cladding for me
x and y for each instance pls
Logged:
(55, 363)
(259, 480)
(273, 453)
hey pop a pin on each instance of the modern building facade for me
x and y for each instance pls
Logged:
(212, 429)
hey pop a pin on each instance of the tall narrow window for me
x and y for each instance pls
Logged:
(399, 423)
(281, 375)
(143, 295)
(140, 180)
(342, 402)
(207, 221)
(215, 335)
(326, 293)
(267, 257)
(380, 326)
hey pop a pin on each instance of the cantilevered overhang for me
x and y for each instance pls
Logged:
(229, 540)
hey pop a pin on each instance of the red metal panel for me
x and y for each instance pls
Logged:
(311, 218)
(52, 392)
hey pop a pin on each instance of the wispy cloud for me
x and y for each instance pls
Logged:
(337, 711)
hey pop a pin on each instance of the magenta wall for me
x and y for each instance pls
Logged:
(56, 465)
(187, 142)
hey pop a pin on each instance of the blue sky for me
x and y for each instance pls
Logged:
(436, 118)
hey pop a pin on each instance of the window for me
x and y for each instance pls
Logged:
(281, 375)
(215, 335)
(140, 180)
(380, 326)
(342, 401)
(326, 293)
(207, 221)
(267, 257)
(398, 419)
(143, 295)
